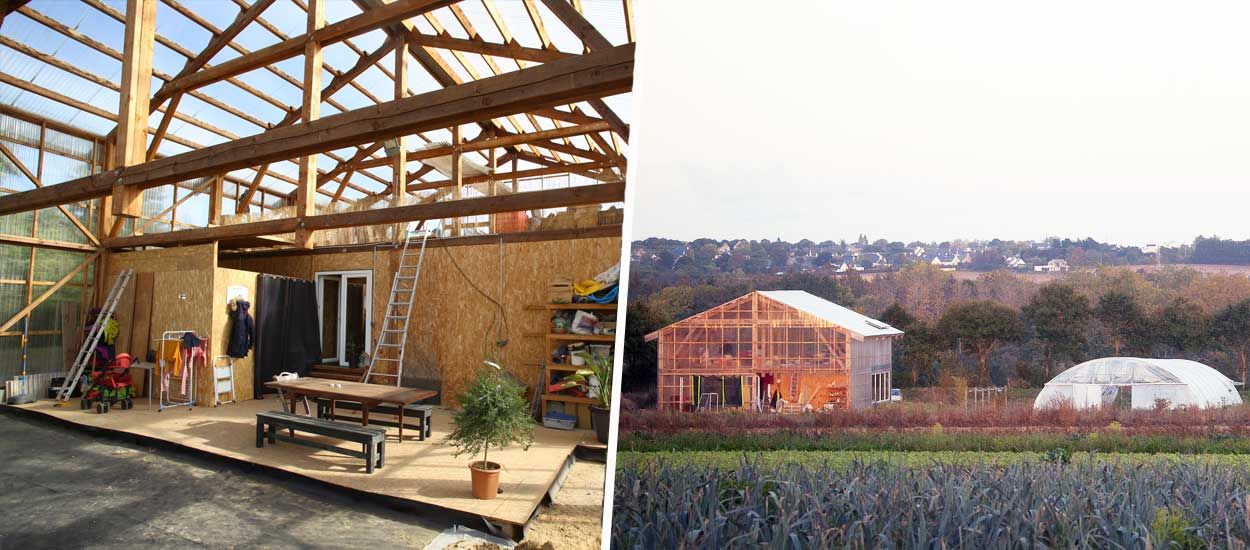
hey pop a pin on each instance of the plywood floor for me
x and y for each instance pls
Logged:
(422, 471)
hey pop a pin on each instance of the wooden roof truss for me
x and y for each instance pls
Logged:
(535, 106)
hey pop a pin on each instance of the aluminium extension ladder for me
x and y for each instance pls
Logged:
(394, 335)
(93, 336)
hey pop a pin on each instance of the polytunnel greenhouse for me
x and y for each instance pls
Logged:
(1140, 384)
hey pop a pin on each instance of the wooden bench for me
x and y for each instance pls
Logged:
(372, 440)
(419, 415)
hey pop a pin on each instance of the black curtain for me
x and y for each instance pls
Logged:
(287, 336)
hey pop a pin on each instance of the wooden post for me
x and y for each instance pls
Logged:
(399, 162)
(457, 177)
(132, 112)
(306, 193)
(494, 187)
(214, 205)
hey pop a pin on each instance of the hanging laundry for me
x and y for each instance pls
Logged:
(190, 354)
(171, 357)
(242, 329)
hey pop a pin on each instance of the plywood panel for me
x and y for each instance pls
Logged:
(183, 300)
(141, 316)
(223, 280)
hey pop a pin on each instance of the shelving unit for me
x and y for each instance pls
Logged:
(580, 405)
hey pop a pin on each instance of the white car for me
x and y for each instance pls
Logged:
(896, 394)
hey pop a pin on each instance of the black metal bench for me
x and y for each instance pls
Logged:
(372, 440)
(419, 415)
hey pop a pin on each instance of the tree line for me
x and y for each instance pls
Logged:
(999, 328)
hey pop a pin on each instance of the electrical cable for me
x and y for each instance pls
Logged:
(502, 313)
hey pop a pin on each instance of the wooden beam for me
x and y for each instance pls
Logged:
(532, 173)
(553, 198)
(163, 126)
(577, 24)
(511, 50)
(45, 243)
(132, 112)
(157, 218)
(78, 37)
(214, 46)
(457, 174)
(594, 41)
(215, 200)
(596, 232)
(399, 164)
(566, 81)
(507, 140)
(48, 293)
(38, 182)
(291, 47)
(10, 6)
(306, 190)
(628, 7)
(575, 116)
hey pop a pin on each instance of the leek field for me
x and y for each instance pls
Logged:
(784, 499)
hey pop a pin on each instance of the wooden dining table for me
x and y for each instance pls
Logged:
(368, 395)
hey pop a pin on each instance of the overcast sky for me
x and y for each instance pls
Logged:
(1127, 122)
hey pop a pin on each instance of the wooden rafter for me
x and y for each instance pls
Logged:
(573, 79)
(105, 9)
(505, 140)
(553, 198)
(219, 41)
(293, 46)
(37, 181)
(99, 47)
(520, 174)
(48, 293)
(203, 186)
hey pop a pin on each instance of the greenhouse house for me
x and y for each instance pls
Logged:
(1140, 384)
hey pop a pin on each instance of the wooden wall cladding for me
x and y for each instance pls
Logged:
(179, 289)
(134, 310)
(183, 302)
(451, 326)
(223, 280)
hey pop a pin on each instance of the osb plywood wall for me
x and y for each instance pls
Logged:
(178, 289)
(139, 304)
(450, 320)
(222, 324)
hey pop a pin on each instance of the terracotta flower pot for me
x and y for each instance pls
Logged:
(485, 479)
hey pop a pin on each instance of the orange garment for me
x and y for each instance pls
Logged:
(171, 356)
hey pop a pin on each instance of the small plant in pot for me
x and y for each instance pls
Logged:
(595, 379)
(494, 413)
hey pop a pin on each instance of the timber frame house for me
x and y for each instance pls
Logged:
(446, 111)
(809, 352)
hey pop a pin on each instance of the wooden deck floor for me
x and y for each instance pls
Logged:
(424, 472)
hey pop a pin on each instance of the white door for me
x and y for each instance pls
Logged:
(344, 314)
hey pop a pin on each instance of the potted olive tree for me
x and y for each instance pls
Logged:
(493, 413)
(596, 380)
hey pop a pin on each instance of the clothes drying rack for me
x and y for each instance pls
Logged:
(176, 385)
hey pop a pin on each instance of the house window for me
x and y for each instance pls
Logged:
(881, 387)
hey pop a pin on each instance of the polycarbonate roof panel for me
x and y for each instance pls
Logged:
(856, 322)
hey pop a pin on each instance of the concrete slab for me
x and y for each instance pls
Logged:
(63, 488)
